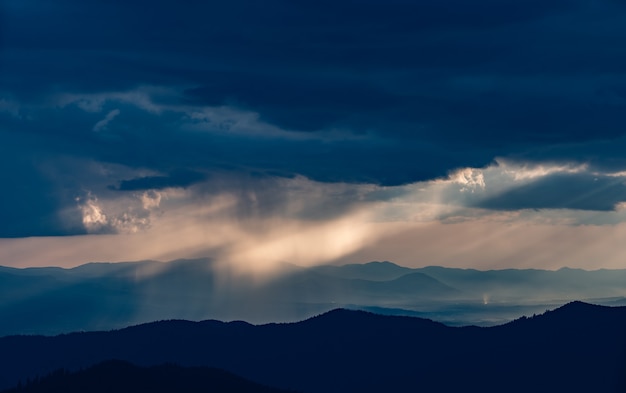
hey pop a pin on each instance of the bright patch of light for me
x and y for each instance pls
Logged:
(150, 199)
(93, 218)
(469, 179)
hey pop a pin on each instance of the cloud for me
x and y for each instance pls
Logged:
(93, 217)
(150, 199)
(178, 178)
(101, 125)
(255, 125)
(439, 86)
(31, 204)
(549, 193)
(132, 214)
(140, 97)
(562, 191)
(254, 224)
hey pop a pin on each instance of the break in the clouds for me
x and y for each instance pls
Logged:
(115, 116)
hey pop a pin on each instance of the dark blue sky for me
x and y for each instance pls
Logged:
(103, 100)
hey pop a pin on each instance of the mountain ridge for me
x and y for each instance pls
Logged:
(353, 350)
(109, 295)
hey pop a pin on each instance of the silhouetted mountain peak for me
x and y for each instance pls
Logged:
(573, 316)
(577, 304)
(360, 322)
(579, 308)
(350, 350)
(337, 314)
(383, 263)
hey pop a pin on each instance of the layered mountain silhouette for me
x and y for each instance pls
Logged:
(374, 271)
(576, 348)
(123, 377)
(102, 296)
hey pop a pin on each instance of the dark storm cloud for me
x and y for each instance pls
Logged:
(364, 91)
(448, 71)
(31, 204)
(178, 178)
(562, 191)
(312, 104)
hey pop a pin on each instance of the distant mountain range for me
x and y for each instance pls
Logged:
(576, 348)
(101, 296)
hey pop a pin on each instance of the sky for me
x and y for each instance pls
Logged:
(487, 134)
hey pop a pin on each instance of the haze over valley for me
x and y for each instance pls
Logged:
(103, 296)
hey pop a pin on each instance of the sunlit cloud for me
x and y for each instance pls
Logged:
(254, 223)
(486, 242)
(468, 178)
(524, 171)
(123, 215)
(93, 217)
(255, 245)
(150, 199)
(277, 220)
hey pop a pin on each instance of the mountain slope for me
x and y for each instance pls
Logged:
(373, 271)
(564, 283)
(576, 348)
(101, 296)
(123, 377)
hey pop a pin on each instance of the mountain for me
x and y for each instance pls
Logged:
(564, 283)
(102, 296)
(577, 348)
(315, 287)
(123, 377)
(373, 271)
